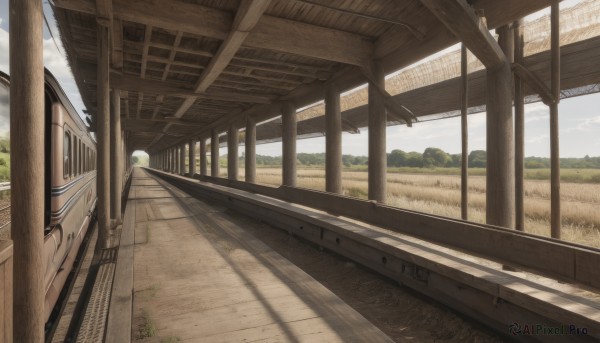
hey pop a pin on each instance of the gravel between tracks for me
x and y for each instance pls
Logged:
(4, 217)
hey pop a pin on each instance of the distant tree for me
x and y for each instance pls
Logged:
(2, 162)
(435, 157)
(135, 160)
(455, 161)
(360, 160)
(414, 159)
(397, 158)
(4, 145)
(478, 159)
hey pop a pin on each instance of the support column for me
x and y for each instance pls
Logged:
(555, 222)
(115, 149)
(182, 159)
(288, 118)
(192, 158)
(464, 175)
(203, 156)
(250, 161)
(519, 130)
(214, 154)
(333, 141)
(377, 138)
(27, 165)
(103, 137)
(177, 160)
(232, 153)
(500, 194)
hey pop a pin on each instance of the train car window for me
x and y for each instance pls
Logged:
(67, 155)
(75, 147)
(80, 164)
(76, 155)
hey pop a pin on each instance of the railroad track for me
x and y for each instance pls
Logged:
(4, 206)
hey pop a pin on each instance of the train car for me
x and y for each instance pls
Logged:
(69, 186)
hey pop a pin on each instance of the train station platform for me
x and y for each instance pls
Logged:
(198, 276)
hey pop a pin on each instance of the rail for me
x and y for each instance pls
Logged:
(4, 211)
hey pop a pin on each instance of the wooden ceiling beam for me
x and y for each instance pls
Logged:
(271, 33)
(116, 55)
(172, 54)
(104, 13)
(460, 18)
(147, 37)
(175, 121)
(174, 89)
(246, 18)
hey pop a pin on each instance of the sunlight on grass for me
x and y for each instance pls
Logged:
(440, 195)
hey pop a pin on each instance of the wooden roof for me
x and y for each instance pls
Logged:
(186, 67)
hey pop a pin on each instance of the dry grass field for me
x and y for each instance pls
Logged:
(440, 195)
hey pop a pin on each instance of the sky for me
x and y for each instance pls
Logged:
(579, 118)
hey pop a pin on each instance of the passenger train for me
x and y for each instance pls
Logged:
(69, 184)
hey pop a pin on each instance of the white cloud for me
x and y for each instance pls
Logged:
(538, 138)
(56, 62)
(4, 51)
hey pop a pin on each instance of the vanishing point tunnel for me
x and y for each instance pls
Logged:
(178, 252)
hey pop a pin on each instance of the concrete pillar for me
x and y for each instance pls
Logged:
(103, 137)
(203, 156)
(555, 216)
(232, 153)
(192, 158)
(214, 154)
(519, 131)
(333, 141)
(177, 160)
(289, 126)
(377, 138)
(182, 159)
(116, 172)
(250, 154)
(27, 169)
(464, 133)
(500, 192)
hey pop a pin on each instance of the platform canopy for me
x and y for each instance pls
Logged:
(187, 67)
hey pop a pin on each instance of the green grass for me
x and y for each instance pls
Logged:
(147, 329)
(4, 167)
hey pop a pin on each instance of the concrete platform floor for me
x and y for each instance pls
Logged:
(200, 277)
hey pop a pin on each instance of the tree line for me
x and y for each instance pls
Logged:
(431, 158)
